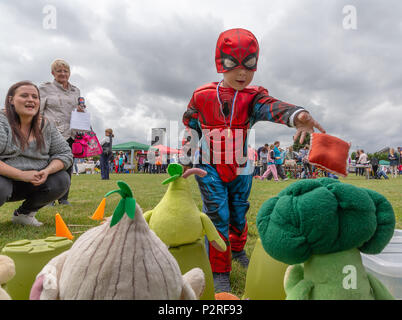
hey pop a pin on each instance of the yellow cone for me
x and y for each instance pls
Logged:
(62, 229)
(100, 211)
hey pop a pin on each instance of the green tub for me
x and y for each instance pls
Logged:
(264, 279)
(30, 256)
(194, 255)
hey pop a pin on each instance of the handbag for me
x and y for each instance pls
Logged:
(86, 145)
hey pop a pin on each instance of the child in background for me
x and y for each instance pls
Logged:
(381, 173)
(271, 164)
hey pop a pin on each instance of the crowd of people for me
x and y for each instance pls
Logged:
(272, 161)
(158, 166)
(372, 167)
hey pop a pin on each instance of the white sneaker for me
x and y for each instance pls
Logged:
(26, 219)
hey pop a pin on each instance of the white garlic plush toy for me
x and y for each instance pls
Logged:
(7, 272)
(121, 260)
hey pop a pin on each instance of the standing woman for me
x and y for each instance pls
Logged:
(264, 159)
(393, 162)
(58, 99)
(33, 155)
(106, 144)
(357, 162)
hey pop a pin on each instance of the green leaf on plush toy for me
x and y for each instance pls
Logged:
(130, 207)
(118, 212)
(175, 171)
(126, 204)
(125, 189)
(115, 191)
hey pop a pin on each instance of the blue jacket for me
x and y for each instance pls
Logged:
(277, 154)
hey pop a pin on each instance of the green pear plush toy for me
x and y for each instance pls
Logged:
(319, 227)
(178, 222)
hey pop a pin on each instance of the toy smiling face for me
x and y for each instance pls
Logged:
(236, 48)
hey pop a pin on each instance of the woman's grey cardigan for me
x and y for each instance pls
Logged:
(56, 147)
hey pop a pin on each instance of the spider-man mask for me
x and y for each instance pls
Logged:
(236, 48)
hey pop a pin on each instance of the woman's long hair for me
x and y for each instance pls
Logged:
(15, 122)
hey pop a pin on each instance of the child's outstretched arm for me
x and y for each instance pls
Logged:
(267, 108)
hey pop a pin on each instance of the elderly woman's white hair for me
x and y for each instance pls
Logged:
(59, 63)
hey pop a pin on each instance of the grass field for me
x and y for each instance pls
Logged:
(87, 191)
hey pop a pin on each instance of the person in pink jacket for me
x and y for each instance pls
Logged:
(271, 164)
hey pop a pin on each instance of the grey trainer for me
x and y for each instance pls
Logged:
(26, 219)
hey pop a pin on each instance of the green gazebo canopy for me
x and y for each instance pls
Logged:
(130, 146)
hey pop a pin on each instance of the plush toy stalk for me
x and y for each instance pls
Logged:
(125, 205)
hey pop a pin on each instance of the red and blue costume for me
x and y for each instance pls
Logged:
(221, 117)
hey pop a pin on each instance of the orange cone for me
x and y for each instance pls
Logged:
(62, 229)
(100, 211)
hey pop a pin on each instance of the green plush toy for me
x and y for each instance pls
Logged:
(178, 222)
(319, 228)
(263, 269)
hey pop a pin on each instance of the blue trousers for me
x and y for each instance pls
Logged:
(225, 203)
(104, 165)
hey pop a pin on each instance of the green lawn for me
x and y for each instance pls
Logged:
(87, 191)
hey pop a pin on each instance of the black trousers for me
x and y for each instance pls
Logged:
(69, 171)
(35, 197)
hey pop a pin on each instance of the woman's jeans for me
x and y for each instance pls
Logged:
(35, 197)
(104, 165)
(394, 171)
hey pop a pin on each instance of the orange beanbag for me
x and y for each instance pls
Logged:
(329, 153)
(225, 296)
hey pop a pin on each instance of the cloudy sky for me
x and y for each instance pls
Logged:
(138, 62)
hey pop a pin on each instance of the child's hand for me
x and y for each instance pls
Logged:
(304, 123)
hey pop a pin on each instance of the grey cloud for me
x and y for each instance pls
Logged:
(306, 58)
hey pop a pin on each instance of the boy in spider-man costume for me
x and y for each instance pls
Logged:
(220, 114)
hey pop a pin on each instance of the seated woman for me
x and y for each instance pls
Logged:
(33, 155)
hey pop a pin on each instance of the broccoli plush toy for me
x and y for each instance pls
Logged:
(319, 227)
